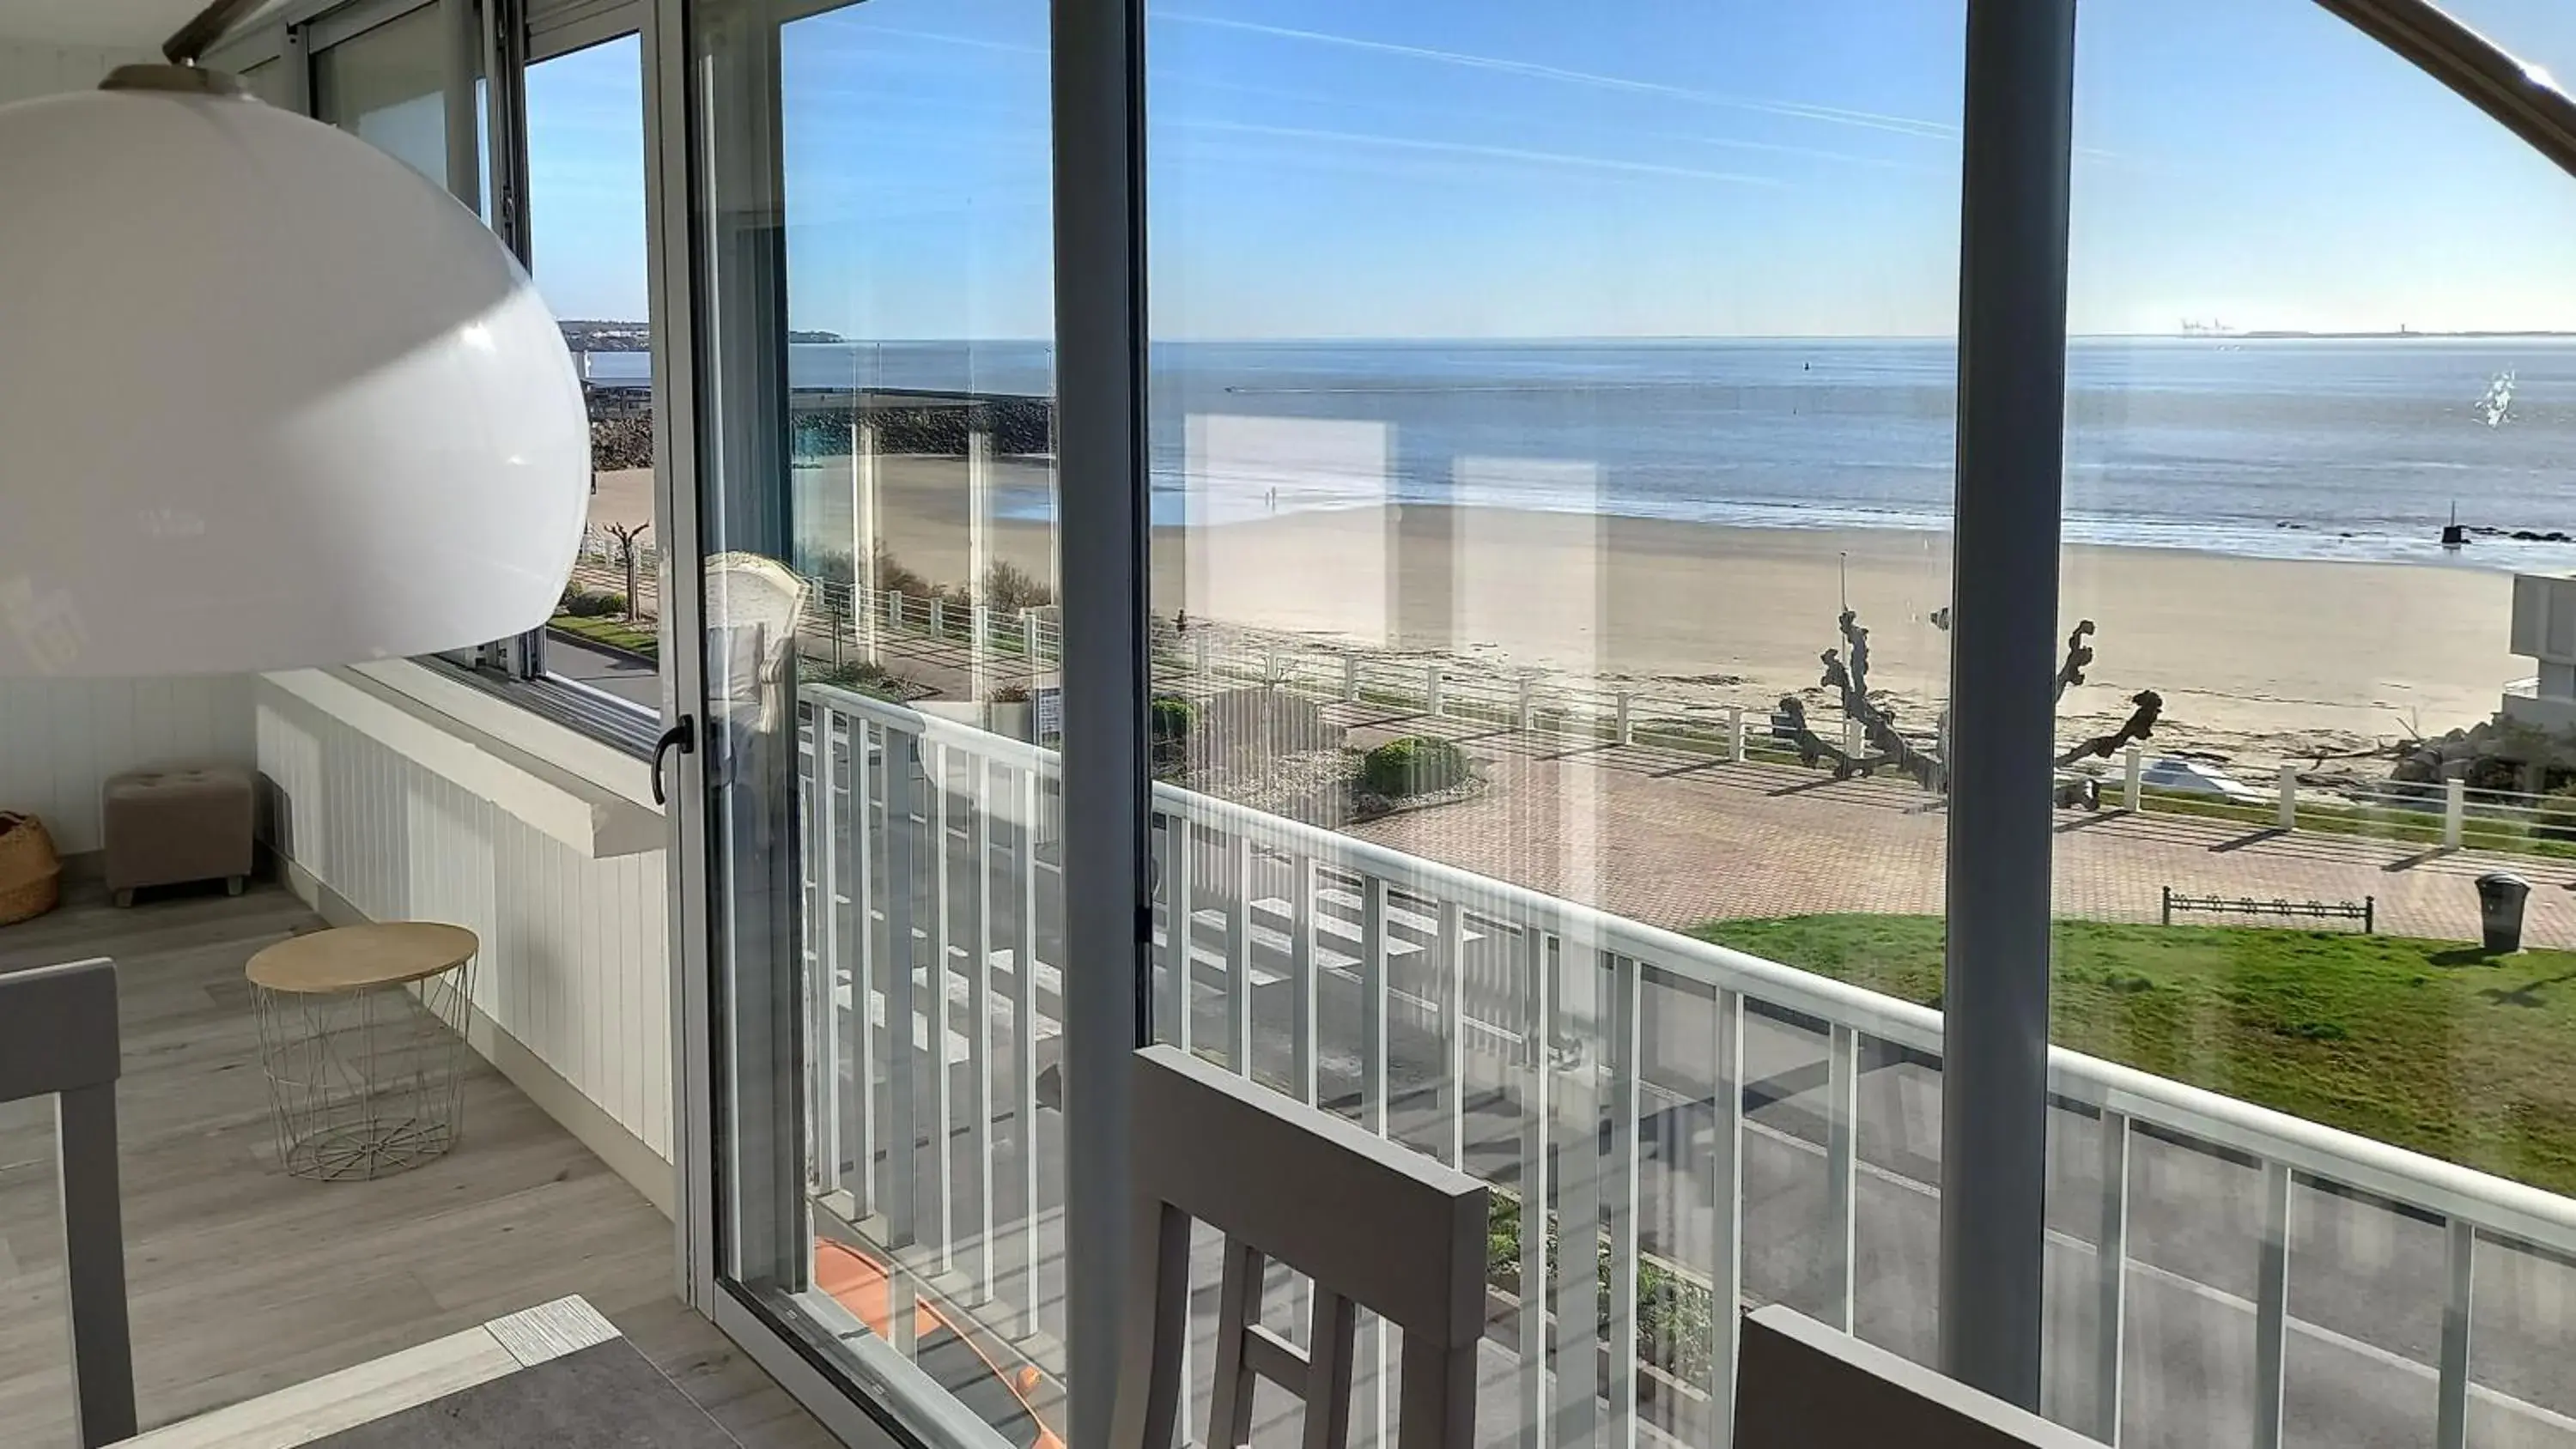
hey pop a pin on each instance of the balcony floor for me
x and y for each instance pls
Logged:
(242, 1280)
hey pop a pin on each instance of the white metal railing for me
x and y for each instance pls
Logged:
(857, 622)
(934, 847)
(599, 545)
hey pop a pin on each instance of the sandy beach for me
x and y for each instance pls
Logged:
(2258, 660)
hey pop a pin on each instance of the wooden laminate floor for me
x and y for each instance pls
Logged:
(242, 1280)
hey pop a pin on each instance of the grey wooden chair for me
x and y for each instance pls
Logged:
(1801, 1385)
(58, 1038)
(1374, 1225)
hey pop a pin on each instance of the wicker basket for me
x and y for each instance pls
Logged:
(30, 873)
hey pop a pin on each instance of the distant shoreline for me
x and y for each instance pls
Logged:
(596, 335)
(2280, 335)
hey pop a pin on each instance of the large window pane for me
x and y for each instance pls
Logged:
(388, 86)
(586, 231)
(2319, 311)
(876, 339)
(1537, 394)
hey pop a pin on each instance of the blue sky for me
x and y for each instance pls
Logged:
(1654, 167)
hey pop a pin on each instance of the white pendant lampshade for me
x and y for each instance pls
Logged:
(268, 399)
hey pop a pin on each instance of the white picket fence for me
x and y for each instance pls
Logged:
(1206, 659)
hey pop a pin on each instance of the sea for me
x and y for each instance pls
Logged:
(2305, 447)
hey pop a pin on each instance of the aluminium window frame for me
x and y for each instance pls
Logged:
(344, 22)
(494, 42)
(560, 27)
(492, 39)
(489, 42)
(519, 35)
(2014, 200)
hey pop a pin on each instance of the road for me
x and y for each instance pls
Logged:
(628, 679)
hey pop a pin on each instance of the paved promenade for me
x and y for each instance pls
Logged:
(1671, 838)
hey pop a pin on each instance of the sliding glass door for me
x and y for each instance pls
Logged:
(1488, 369)
(876, 614)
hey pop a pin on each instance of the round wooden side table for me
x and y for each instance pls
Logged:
(361, 1035)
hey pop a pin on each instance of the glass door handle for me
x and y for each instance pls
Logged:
(683, 737)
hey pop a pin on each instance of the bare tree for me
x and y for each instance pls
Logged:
(628, 535)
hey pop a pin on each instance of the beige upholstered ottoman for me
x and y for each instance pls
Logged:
(177, 824)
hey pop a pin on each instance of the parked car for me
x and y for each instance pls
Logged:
(1003, 1398)
(2191, 777)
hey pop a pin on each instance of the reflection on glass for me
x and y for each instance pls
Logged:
(585, 127)
(388, 86)
(882, 672)
(2318, 311)
(2540, 34)
(1535, 400)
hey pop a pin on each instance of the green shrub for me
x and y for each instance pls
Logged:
(866, 677)
(894, 578)
(1414, 765)
(1502, 1240)
(582, 604)
(831, 566)
(1009, 588)
(1172, 719)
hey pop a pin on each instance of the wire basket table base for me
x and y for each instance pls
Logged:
(365, 1081)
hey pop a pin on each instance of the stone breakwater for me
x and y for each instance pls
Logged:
(621, 427)
(1018, 426)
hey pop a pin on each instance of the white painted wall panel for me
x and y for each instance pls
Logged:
(575, 961)
(60, 739)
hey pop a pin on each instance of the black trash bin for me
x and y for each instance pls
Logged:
(2500, 898)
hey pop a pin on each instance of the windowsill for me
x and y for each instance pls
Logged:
(581, 791)
(567, 721)
(491, 712)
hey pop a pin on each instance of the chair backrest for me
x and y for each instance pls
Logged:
(1374, 1225)
(58, 1038)
(754, 604)
(1801, 1385)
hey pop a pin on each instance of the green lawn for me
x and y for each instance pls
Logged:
(2424, 1044)
(635, 637)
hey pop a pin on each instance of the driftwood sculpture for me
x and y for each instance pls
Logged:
(1850, 677)
(2140, 724)
(1846, 671)
(1813, 749)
